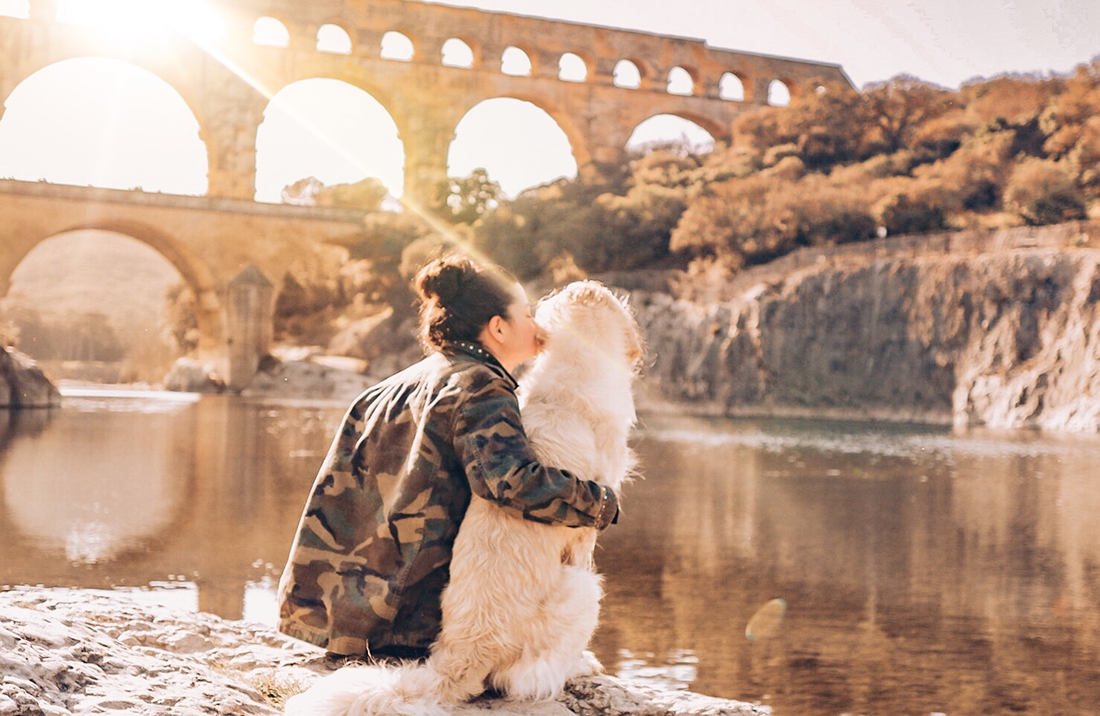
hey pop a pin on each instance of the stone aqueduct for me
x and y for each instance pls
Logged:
(228, 82)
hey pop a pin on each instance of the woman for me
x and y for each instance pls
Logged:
(373, 547)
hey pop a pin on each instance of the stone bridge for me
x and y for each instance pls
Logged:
(228, 80)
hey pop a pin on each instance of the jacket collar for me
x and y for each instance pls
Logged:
(476, 351)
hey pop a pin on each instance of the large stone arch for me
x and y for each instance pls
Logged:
(718, 129)
(358, 77)
(578, 139)
(577, 135)
(10, 83)
(360, 81)
(177, 79)
(199, 277)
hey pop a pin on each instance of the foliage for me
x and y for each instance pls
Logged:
(834, 166)
(1043, 191)
(68, 335)
(365, 194)
(464, 200)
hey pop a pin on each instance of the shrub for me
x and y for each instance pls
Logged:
(902, 215)
(1042, 191)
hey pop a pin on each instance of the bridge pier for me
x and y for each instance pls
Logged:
(250, 313)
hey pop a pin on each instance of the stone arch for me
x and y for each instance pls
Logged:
(194, 271)
(732, 87)
(334, 38)
(715, 128)
(179, 84)
(403, 46)
(779, 92)
(572, 67)
(517, 62)
(358, 81)
(179, 88)
(682, 81)
(577, 138)
(270, 31)
(627, 74)
(459, 52)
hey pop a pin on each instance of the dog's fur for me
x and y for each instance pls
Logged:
(523, 598)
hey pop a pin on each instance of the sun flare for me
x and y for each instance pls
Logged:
(145, 21)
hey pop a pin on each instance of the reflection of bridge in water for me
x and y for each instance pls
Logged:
(227, 81)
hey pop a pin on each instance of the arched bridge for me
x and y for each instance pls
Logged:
(227, 80)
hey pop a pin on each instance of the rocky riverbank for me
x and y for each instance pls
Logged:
(1006, 339)
(75, 652)
(22, 383)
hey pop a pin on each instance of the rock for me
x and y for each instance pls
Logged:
(191, 376)
(386, 341)
(23, 384)
(76, 652)
(310, 378)
(1007, 339)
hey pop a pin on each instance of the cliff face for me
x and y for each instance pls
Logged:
(1007, 339)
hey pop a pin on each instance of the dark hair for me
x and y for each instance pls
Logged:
(458, 298)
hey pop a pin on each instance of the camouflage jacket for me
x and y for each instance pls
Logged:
(373, 547)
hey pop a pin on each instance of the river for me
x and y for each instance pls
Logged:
(922, 571)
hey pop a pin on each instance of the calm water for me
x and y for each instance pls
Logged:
(924, 572)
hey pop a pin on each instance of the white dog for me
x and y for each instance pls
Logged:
(523, 597)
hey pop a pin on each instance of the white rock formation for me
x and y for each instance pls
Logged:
(81, 652)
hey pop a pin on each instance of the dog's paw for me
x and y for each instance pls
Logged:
(587, 665)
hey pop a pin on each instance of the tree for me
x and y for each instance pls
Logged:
(465, 200)
(897, 108)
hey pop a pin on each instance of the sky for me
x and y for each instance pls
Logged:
(942, 41)
(57, 127)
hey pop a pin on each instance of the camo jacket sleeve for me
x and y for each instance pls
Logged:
(501, 465)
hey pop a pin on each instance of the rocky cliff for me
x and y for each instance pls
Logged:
(22, 383)
(1009, 338)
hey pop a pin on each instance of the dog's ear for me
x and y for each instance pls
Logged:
(587, 293)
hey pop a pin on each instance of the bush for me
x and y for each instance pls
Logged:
(902, 215)
(1042, 191)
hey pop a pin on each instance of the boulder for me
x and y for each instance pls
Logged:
(191, 376)
(23, 384)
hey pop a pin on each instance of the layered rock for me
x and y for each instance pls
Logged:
(74, 652)
(23, 384)
(1004, 339)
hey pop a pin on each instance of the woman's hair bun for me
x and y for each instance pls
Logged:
(444, 279)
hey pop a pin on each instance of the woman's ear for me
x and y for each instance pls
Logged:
(496, 327)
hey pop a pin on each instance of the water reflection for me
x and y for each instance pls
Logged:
(922, 571)
(128, 492)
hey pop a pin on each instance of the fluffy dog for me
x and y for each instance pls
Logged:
(523, 597)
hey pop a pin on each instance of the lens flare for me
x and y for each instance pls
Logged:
(765, 622)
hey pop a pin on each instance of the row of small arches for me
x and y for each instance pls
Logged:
(455, 52)
(332, 38)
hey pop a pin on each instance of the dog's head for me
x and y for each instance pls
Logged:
(589, 317)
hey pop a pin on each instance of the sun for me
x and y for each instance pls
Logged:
(145, 22)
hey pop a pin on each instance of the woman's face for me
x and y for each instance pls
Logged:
(513, 338)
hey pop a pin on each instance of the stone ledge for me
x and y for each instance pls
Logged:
(68, 651)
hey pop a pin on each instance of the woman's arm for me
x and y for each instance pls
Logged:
(501, 466)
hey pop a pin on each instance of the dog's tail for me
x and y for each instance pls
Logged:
(405, 690)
